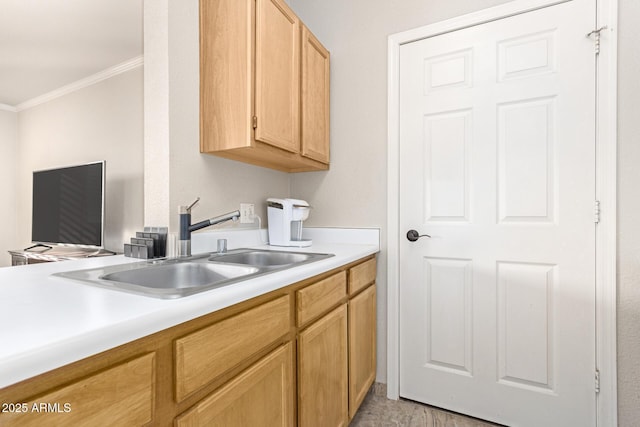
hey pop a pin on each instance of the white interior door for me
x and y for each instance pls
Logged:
(497, 164)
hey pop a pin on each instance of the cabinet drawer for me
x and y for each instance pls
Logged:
(320, 297)
(261, 395)
(362, 275)
(206, 354)
(123, 395)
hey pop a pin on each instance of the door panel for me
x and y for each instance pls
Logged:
(526, 152)
(449, 343)
(525, 322)
(497, 164)
(446, 160)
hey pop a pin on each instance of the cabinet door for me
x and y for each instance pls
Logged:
(226, 73)
(322, 371)
(277, 75)
(315, 98)
(120, 396)
(260, 396)
(362, 346)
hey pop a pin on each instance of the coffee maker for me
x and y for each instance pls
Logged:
(285, 218)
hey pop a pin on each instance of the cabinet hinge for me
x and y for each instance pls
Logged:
(255, 122)
(597, 381)
(596, 211)
(596, 35)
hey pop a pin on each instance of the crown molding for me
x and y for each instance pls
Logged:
(11, 108)
(80, 84)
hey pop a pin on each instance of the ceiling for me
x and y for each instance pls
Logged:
(45, 45)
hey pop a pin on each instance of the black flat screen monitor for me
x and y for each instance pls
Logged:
(68, 205)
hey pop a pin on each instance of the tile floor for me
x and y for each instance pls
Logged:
(378, 411)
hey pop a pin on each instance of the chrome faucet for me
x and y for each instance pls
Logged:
(186, 228)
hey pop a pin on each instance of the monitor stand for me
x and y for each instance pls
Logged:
(101, 252)
(39, 245)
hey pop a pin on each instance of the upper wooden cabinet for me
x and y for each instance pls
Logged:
(264, 86)
(315, 98)
(277, 75)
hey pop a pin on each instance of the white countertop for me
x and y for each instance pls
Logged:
(50, 322)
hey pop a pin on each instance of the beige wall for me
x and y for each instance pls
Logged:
(221, 184)
(353, 192)
(156, 112)
(99, 122)
(628, 214)
(9, 210)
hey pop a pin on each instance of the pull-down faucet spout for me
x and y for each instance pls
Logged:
(186, 228)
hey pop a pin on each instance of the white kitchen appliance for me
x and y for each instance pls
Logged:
(285, 221)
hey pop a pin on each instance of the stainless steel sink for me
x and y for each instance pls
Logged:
(179, 277)
(267, 259)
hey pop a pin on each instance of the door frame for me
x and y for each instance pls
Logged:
(606, 175)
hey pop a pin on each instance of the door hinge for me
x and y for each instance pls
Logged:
(597, 381)
(255, 122)
(596, 211)
(596, 34)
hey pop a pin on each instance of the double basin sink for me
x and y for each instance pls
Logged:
(179, 277)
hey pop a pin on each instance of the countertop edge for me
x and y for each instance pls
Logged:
(27, 364)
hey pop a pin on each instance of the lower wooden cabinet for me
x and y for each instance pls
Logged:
(337, 352)
(260, 396)
(204, 355)
(362, 346)
(301, 355)
(323, 371)
(120, 396)
(315, 300)
(362, 275)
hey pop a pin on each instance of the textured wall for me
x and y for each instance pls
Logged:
(100, 122)
(628, 217)
(156, 112)
(9, 211)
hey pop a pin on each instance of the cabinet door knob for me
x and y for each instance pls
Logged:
(413, 235)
